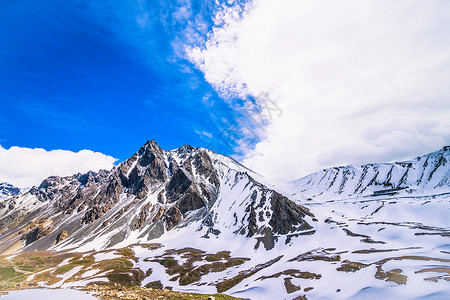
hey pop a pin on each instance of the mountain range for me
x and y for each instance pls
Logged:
(8, 190)
(197, 221)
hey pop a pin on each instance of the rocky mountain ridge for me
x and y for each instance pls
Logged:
(149, 194)
(423, 174)
(8, 190)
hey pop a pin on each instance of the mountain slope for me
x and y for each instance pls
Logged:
(423, 174)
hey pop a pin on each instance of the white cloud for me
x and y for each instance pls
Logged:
(204, 134)
(25, 167)
(358, 80)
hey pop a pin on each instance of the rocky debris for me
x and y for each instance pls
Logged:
(11, 220)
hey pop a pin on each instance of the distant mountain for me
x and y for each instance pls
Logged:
(423, 174)
(7, 190)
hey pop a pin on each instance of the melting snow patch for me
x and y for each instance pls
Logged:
(44, 294)
(105, 256)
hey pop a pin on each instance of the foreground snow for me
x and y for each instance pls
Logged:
(45, 294)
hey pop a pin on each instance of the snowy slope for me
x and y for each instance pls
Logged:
(422, 175)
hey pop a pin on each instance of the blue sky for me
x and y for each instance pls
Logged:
(106, 77)
(348, 82)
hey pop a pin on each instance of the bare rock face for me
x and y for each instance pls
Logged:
(61, 236)
(141, 219)
(35, 234)
(181, 189)
(144, 169)
(287, 216)
(173, 217)
(204, 165)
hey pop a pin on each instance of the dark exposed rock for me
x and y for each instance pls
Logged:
(187, 165)
(303, 297)
(203, 164)
(191, 201)
(289, 286)
(145, 169)
(140, 221)
(35, 234)
(180, 188)
(61, 236)
(287, 216)
(177, 186)
(156, 285)
(91, 215)
(252, 225)
(268, 240)
(161, 197)
(159, 212)
(173, 217)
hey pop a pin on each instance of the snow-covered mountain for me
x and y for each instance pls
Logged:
(151, 193)
(424, 174)
(8, 190)
(197, 221)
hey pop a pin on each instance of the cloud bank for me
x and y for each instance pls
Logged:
(358, 81)
(25, 167)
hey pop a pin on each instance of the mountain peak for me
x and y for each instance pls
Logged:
(149, 145)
